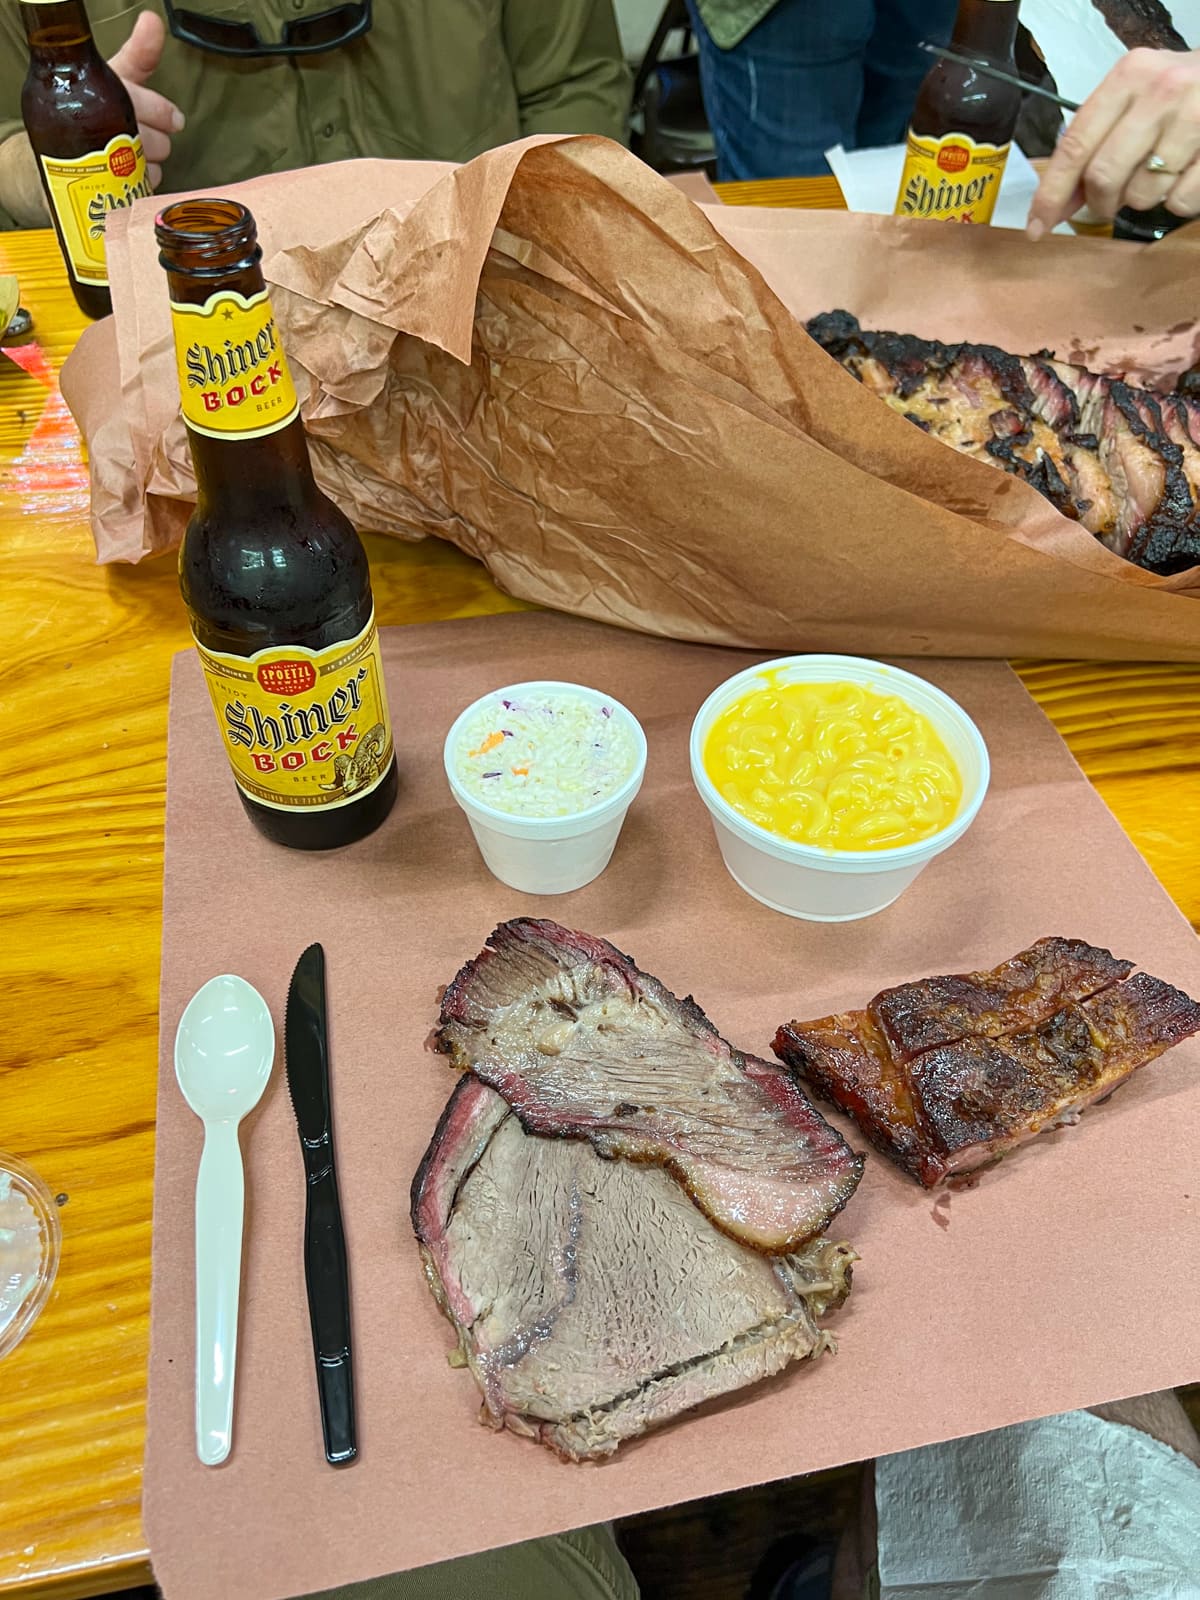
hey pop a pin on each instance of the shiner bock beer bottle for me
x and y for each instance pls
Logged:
(962, 124)
(274, 577)
(81, 124)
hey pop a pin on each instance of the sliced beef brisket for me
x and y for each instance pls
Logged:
(1122, 461)
(591, 1299)
(584, 1045)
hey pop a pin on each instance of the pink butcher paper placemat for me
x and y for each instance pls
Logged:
(1069, 1276)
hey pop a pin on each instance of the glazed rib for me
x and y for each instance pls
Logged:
(1141, 22)
(1021, 993)
(948, 1073)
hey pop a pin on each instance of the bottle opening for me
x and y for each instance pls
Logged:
(208, 233)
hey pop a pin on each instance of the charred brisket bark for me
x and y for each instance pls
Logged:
(1145, 23)
(1122, 461)
(584, 1045)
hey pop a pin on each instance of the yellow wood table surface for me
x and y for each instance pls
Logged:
(83, 701)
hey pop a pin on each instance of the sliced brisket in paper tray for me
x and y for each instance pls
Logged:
(555, 360)
(621, 1215)
(1122, 460)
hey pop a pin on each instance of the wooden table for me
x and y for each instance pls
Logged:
(84, 705)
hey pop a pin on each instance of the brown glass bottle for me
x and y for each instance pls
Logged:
(81, 124)
(962, 124)
(1147, 227)
(274, 576)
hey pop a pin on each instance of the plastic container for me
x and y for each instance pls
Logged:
(548, 855)
(802, 880)
(30, 1238)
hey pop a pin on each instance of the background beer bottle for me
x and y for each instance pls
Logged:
(274, 577)
(1147, 227)
(962, 124)
(81, 124)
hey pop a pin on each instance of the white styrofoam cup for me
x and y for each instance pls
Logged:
(548, 855)
(822, 885)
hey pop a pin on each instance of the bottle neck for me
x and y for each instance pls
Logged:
(238, 399)
(987, 28)
(239, 403)
(252, 480)
(58, 33)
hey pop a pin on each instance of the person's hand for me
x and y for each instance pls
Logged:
(1148, 106)
(158, 118)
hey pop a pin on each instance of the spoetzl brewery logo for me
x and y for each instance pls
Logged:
(125, 162)
(233, 374)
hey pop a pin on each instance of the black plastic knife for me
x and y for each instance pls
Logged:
(306, 1048)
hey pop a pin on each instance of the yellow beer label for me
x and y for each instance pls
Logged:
(951, 179)
(303, 729)
(84, 189)
(233, 376)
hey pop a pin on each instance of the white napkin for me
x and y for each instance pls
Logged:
(870, 180)
(1067, 1508)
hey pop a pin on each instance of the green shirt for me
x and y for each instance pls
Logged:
(729, 21)
(433, 79)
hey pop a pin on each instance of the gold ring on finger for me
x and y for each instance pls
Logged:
(1156, 164)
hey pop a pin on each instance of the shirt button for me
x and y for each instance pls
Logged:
(297, 5)
(328, 130)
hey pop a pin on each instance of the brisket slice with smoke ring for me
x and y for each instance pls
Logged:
(1122, 461)
(591, 1299)
(583, 1045)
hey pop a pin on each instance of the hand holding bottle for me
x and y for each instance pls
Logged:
(158, 118)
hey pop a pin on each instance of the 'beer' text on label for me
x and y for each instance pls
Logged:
(303, 729)
(951, 179)
(233, 376)
(84, 189)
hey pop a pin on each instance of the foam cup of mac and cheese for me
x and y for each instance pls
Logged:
(832, 781)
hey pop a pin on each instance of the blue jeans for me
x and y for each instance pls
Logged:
(812, 74)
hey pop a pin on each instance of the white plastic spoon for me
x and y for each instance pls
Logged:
(224, 1049)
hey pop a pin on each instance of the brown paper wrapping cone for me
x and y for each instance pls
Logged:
(555, 360)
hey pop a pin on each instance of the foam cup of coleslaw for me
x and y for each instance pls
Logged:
(545, 772)
(824, 885)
